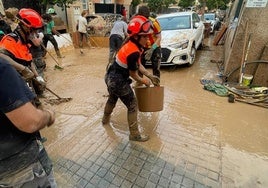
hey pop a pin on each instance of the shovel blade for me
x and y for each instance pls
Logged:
(58, 67)
(57, 101)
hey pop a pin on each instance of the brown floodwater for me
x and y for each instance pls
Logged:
(239, 129)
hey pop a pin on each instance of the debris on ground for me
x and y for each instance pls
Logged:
(257, 96)
(217, 88)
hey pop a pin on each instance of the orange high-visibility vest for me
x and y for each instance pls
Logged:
(14, 45)
(125, 51)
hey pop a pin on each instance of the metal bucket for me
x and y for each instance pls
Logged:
(150, 99)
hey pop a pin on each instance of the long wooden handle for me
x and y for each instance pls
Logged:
(50, 54)
(243, 53)
(53, 93)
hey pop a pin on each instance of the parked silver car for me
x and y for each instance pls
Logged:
(213, 20)
(182, 34)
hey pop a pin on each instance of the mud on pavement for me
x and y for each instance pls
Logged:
(198, 140)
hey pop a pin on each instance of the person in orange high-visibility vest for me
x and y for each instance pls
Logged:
(24, 161)
(152, 51)
(127, 64)
(16, 45)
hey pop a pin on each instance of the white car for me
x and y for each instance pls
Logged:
(182, 34)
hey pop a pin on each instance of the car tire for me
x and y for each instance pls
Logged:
(192, 56)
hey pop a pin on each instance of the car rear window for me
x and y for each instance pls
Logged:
(175, 22)
(209, 16)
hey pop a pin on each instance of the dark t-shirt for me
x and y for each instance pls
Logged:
(14, 93)
(132, 60)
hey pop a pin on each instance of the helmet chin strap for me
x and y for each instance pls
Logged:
(22, 33)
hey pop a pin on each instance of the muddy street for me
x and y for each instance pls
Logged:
(198, 140)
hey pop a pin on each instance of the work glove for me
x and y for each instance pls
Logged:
(155, 79)
(41, 35)
(40, 83)
(146, 81)
(148, 54)
(41, 80)
(27, 73)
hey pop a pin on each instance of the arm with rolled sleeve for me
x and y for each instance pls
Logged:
(15, 102)
(134, 67)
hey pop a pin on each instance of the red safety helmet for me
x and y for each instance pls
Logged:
(139, 25)
(30, 18)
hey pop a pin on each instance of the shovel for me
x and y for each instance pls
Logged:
(59, 99)
(56, 66)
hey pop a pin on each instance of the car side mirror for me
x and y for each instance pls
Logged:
(196, 25)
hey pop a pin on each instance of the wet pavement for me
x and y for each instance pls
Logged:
(198, 140)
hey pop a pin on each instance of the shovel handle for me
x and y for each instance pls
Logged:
(50, 54)
(53, 93)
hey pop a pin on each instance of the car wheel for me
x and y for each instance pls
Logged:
(192, 56)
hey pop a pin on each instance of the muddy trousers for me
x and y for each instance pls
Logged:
(130, 101)
(155, 60)
(83, 37)
(50, 37)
